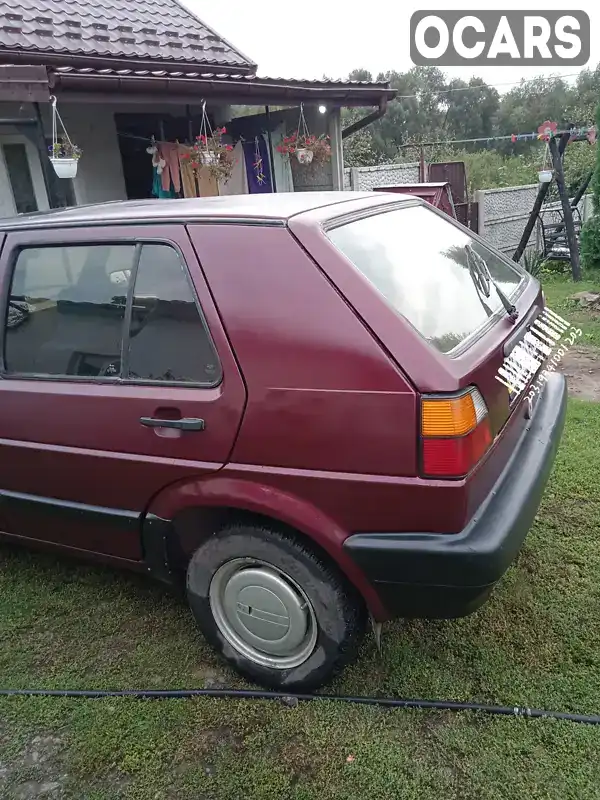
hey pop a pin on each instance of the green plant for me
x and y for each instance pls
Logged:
(555, 266)
(590, 233)
(533, 262)
(596, 176)
(64, 150)
(590, 243)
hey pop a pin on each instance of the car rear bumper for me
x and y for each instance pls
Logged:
(451, 575)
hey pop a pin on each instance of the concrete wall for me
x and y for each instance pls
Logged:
(363, 179)
(503, 214)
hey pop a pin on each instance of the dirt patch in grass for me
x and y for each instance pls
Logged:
(35, 770)
(581, 367)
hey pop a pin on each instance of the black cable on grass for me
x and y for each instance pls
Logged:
(292, 699)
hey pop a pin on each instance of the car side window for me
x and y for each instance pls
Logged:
(168, 339)
(66, 310)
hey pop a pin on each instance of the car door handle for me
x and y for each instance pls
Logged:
(186, 424)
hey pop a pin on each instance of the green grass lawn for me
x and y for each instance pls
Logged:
(559, 289)
(537, 643)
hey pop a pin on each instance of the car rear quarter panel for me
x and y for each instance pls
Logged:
(330, 429)
(322, 394)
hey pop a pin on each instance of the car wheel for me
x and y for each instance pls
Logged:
(274, 609)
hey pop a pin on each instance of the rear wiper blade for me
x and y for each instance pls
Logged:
(482, 270)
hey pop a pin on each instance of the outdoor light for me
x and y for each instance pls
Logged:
(322, 109)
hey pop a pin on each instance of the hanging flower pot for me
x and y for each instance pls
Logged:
(64, 167)
(545, 175)
(210, 151)
(304, 155)
(304, 145)
(64, 155)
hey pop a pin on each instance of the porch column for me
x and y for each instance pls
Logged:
(337, 154)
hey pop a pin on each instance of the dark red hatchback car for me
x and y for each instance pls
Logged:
(290, 402)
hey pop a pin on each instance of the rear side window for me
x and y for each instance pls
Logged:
(167, 337)
(426, 268)
(122, 312)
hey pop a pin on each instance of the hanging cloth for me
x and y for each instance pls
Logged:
(169, 152)
(238, 180)
(257, 166)
(157, 187)
(282, 167)
(207, 183)
(188, 176)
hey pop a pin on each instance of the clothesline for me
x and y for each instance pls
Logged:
(154, 139)
(253, 170)
(510, 137)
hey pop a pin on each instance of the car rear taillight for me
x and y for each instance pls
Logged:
(455, 433)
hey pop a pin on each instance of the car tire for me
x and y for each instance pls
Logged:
(275, 610)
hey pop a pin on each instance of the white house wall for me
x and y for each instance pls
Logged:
(100, 172)
(92, 127)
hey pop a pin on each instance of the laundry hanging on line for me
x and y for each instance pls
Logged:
(174, 176)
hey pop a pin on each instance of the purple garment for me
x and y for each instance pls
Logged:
(259, 177)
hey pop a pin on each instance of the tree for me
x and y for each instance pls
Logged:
(590, 235)
(472, 113)
(428, 107)
(524, 108)
(585, 97)
(360, 75)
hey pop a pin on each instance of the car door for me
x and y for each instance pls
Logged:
(117, 379)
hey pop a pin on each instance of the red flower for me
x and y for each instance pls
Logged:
(547, 130)
(228, 147)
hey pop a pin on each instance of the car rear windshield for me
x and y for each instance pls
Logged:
(429, 270)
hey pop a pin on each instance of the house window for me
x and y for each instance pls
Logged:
(19, 175)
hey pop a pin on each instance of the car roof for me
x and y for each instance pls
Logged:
(267, 208)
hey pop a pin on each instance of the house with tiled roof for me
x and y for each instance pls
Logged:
(127, 76)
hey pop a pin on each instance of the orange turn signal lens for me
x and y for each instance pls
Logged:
(448, 416)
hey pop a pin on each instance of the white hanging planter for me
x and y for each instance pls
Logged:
(209, 159)
(304, 155)
(65, 167)
(545, 175)
(64, 154)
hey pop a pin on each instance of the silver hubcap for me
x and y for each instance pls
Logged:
(263, 613)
